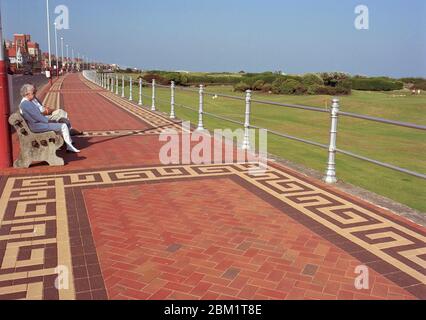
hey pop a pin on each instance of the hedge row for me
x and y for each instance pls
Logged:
(332, 83)
(376, 84)
(337, 84)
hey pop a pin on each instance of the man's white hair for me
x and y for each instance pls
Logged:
(26, 88)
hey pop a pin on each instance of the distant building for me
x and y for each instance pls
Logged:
(34, 51)
(17, 60)
(23, 53)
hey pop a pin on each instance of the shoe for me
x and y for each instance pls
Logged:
(75, 132)
(72, 149)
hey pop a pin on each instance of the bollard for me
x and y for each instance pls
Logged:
(172, 101)
(201, 111)
(131, 89)
(140, 92)
(246, 143)
(153, 107)
(330, 176)
(122, 87)
(116, 84)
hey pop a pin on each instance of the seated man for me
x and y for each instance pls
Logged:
(59, 115)
(39, 123)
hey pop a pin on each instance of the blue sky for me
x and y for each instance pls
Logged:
(232, 35)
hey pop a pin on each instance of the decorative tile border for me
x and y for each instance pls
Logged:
(52, 98)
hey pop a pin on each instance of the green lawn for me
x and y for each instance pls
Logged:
(395, 145)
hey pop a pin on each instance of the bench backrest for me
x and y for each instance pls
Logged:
(18, 122)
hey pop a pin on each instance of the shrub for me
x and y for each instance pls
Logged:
(258, 85)
(325, 90)
(332, 91)
(206, 79)
(158, 79)
(183, 80)
(267, 87)
(288, 86)
(332, 79)
(312, 79)
(340, 91)
(313, 89)
(241, 87)
(292, 86)
(344, 87)
(277, 84)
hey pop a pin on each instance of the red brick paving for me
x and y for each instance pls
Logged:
(91, 112)
(177, 240)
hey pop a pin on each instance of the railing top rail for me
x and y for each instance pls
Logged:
(382, 120)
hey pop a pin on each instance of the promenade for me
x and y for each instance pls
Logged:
(115, 223)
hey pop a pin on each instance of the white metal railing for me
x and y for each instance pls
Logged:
(107, 82)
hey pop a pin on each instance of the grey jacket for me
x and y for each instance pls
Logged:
(35, 120)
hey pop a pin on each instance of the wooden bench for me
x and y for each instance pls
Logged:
(35, 147)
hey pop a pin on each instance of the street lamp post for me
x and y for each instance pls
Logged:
(68, 56)
(62, 50)
(56, 50)
(49, 42)
(48, 34)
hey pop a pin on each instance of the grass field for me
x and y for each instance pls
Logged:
(395, 145)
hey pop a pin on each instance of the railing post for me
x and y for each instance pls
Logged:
(131, 89)
(331, 167)
(112, 84)
(172, 101)
(201, 110)
(108, 80)
(140, 92)
(116, 84)
(246, 143)
(153, 107)
(122, 87)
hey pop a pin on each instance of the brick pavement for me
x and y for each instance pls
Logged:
(127, 227)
